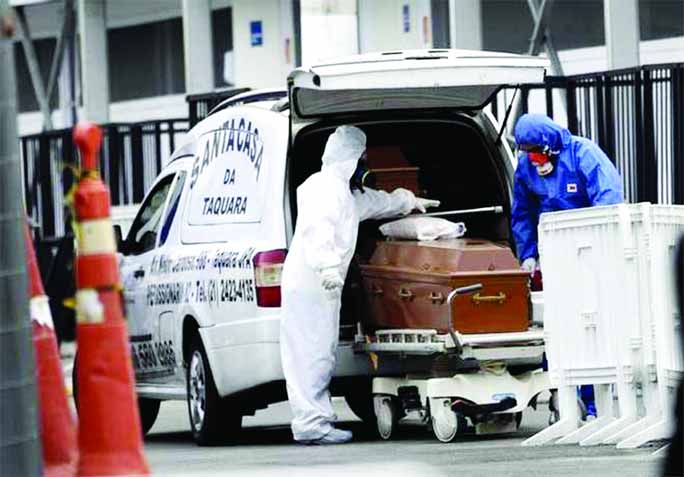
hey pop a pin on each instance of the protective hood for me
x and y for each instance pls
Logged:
(343, 150)
(540, 130)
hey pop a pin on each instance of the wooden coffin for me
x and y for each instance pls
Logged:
(390, 169)
(391, 178)
(407, 283)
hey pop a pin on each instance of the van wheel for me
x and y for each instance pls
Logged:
(148, 409)
(211, 419)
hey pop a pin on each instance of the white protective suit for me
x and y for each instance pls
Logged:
(321, 249)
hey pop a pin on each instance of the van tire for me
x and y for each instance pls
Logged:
(212, 419)
(148, 408)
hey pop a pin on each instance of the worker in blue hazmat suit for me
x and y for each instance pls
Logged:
(313, 276)
(556, 171)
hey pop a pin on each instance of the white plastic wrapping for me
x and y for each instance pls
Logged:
(423, 228)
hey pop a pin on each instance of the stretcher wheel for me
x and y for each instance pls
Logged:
(445, 422)
(386, 415)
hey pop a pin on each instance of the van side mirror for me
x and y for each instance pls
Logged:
(118, 236)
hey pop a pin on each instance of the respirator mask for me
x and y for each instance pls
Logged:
(361, 176)
(541, 158)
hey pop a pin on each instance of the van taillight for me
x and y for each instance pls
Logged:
(268, 270)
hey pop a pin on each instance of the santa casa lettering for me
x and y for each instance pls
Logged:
(236, 135)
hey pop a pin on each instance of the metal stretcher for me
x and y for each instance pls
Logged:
(479, 382)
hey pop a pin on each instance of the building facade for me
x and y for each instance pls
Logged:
(136, 60)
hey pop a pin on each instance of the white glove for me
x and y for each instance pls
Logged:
(422, 204)
(529, 265)
(332, 282)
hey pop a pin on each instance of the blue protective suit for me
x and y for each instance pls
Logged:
(583, 176)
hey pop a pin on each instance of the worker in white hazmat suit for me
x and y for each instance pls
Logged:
(313, 277)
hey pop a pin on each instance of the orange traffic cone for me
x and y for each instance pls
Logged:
(110, 439)
(57, 426)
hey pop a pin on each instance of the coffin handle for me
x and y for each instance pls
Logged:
(377, 291)
(498, 298)
(436, 298)
(405, 293)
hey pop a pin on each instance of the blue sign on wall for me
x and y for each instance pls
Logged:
(256, 35)
(407, 18)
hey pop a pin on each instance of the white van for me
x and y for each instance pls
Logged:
(203, 258)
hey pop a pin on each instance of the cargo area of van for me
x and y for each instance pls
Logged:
(449, 160)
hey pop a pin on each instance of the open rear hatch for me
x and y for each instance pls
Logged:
(408, 80)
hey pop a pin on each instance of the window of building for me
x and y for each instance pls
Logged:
(440, 23)
(146, 60)
(222, 39)
(661, 19)
(507, 25)
(26, 96)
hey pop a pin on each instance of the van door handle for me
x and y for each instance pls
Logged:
(139, 273)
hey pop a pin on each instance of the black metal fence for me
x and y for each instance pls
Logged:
(199, 105)
(636, 115)
(132, 155)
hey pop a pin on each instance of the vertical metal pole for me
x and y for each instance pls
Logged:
(609, 118)
(137, 163)
(572, 106)
(114, 164)
(548, 89)
(20, 452)
(678, 132)
(600, 110)
(524, 98)
(157, 147)
(47, 203)
(650, 169)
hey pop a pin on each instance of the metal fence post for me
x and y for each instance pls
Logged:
(608, 122)
(548, 90)
(114, 156)
(678, 132)
(647, 166)
(571, 89)
(601, 89)
(524, 99)
(137, 163)
(47, 203)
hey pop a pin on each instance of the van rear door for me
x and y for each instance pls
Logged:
(407, 80)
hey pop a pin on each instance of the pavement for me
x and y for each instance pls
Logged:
(265, 449)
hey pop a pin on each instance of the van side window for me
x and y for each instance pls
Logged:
(172, 208)
(142, 236)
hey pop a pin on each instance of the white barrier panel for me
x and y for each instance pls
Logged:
(665, 360)
(607, 277)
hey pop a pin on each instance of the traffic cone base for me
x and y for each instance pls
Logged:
(57, 425)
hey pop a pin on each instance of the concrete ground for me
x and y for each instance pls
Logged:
(265, 449)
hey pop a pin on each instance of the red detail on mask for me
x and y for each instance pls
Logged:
(538, 158)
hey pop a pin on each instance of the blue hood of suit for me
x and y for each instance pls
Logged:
(540, 130)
